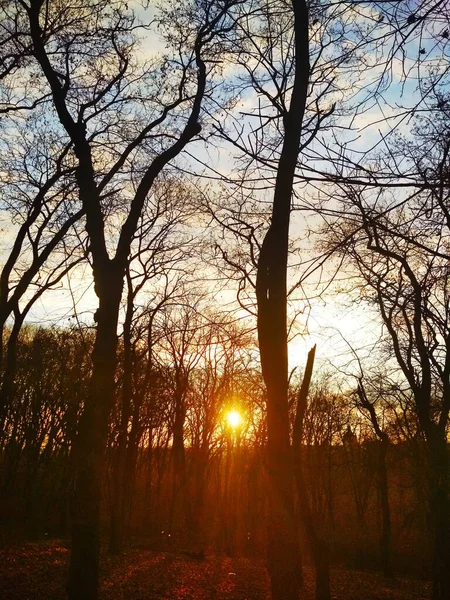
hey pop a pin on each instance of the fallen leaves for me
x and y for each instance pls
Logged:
(37, 571)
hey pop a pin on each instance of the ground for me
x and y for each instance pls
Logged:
(36, 571)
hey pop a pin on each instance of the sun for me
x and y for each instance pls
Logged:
(234, 419)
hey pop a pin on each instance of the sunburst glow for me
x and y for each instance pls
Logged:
(234, 418)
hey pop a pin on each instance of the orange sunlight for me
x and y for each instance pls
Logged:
(234, 419)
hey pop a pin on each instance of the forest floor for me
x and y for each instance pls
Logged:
(37, 571)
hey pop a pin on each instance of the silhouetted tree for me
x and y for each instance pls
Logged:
(399, 251)
(85, 57)
(367, 404)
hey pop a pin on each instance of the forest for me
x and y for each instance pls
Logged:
(224, 299)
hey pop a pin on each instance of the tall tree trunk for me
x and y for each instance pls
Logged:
(31, 497)
(385, 539)
(227, 522)
(119, 503)
(10, 367)
(178, 507)
(319, 547)
(383, 484)
(119, 500)
(440, 511)
(131, 461)
(179, 458)
(89, 451)
(271, 292)
(148, 491)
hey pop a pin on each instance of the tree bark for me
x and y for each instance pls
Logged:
(90, 448)
(271, 292)
(385, 539)
(440, 511)
(383, 483)
(119, 501)
(318, 546)
(179, 456)
(9, 368)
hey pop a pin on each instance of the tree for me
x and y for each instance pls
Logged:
(212, 388)
(271, 290)
(319, 547)
(290, 103)
(399, 250)
(50, 383)
(38, 195)
(158, 250)
(85, 57)
(366, 404)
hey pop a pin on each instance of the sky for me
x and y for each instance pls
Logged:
(334, 324)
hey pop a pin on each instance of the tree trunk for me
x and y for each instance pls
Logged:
(385, 540)
(179, 459)
(440, 511)
(383, 485)
(89, 451)
(131, 461)
(283, 552)
(148, 492)
(9, 367)
(30, 492)
(319, 547)
(271, 292)
(118, 508)
(178, 504)
(119, 467)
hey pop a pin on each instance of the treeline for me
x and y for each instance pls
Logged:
(206, 490)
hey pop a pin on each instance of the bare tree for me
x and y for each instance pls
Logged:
(84, 57)
(400, 253)
(160, 248)
(39, 198)
(367, 404)
(319, 547)
(272, 333)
